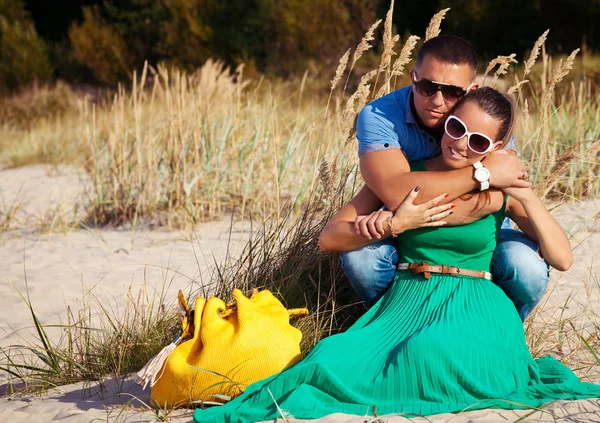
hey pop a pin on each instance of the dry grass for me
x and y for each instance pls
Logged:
(339, 72)
(8, 213)
(389, 41)
(535, 52)
(364, 45)
(94, 343)
(27, 108)
(569, 331)
(433, 30)
(503, 63)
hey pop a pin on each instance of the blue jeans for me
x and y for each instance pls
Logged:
(516, 265)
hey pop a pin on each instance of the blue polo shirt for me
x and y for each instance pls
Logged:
(389, 122)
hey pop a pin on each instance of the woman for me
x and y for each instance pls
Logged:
(435, 342)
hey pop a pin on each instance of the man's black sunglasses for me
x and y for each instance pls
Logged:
(428, 88)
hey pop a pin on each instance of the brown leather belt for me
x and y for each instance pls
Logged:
(427, 269)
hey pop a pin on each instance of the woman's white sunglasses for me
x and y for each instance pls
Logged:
(476, 141)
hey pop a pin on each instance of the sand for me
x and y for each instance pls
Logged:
(79, 403)
(90, 267)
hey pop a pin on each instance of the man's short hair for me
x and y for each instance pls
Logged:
(449, 49)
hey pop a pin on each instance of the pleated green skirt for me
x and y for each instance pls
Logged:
(429, 346)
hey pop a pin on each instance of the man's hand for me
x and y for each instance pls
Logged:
(506, 170)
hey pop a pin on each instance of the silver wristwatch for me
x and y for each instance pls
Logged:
(482, 175)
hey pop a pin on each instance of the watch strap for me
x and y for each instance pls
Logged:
(483, 184)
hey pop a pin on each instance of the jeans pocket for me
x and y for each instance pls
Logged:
(497, 271)
(392, 256)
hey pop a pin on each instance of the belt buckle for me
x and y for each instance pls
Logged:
(449, 270)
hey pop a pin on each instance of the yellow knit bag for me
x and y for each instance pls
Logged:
(233, 345)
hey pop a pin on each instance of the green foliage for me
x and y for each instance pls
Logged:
(494, 23)
(23, 54)
(312, 29)
(280, 37)
(140, 23)
(244, 31)
(100, 47)
(186, 34)
(13, 10)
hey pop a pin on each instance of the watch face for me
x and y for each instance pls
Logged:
(482, 174)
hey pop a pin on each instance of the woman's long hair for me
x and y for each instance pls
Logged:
(499, 106)
(502, 108)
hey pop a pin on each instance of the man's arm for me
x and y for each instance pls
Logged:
(388, 175)
(464, 211)
(468, 210)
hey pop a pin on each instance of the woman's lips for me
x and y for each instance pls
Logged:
(456, 154)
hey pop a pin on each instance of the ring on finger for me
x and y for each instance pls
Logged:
(432, 218)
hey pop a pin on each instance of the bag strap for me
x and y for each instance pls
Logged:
(232, 307)
(297, 312)
(186, 317)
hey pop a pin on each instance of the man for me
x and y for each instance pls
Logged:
(407, 125)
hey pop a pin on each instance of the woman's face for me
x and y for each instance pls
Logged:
(456, 153)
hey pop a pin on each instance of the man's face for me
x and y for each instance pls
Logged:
(432, 111)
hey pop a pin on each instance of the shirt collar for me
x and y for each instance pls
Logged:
(408, 113)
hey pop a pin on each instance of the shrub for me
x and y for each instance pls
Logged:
(23, 54)
(98, 46)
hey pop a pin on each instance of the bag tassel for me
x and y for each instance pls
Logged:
(149, 373)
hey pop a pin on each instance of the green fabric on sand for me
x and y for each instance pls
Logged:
(428, 346)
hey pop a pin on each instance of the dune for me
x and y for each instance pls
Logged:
(65, 271)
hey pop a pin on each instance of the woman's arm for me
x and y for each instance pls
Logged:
(530, 214)
(344, 233)
(339, 234)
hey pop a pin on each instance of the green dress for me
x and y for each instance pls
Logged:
(428, 346)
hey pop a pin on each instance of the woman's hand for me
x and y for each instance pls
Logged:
(407, 216)
(519, 194)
